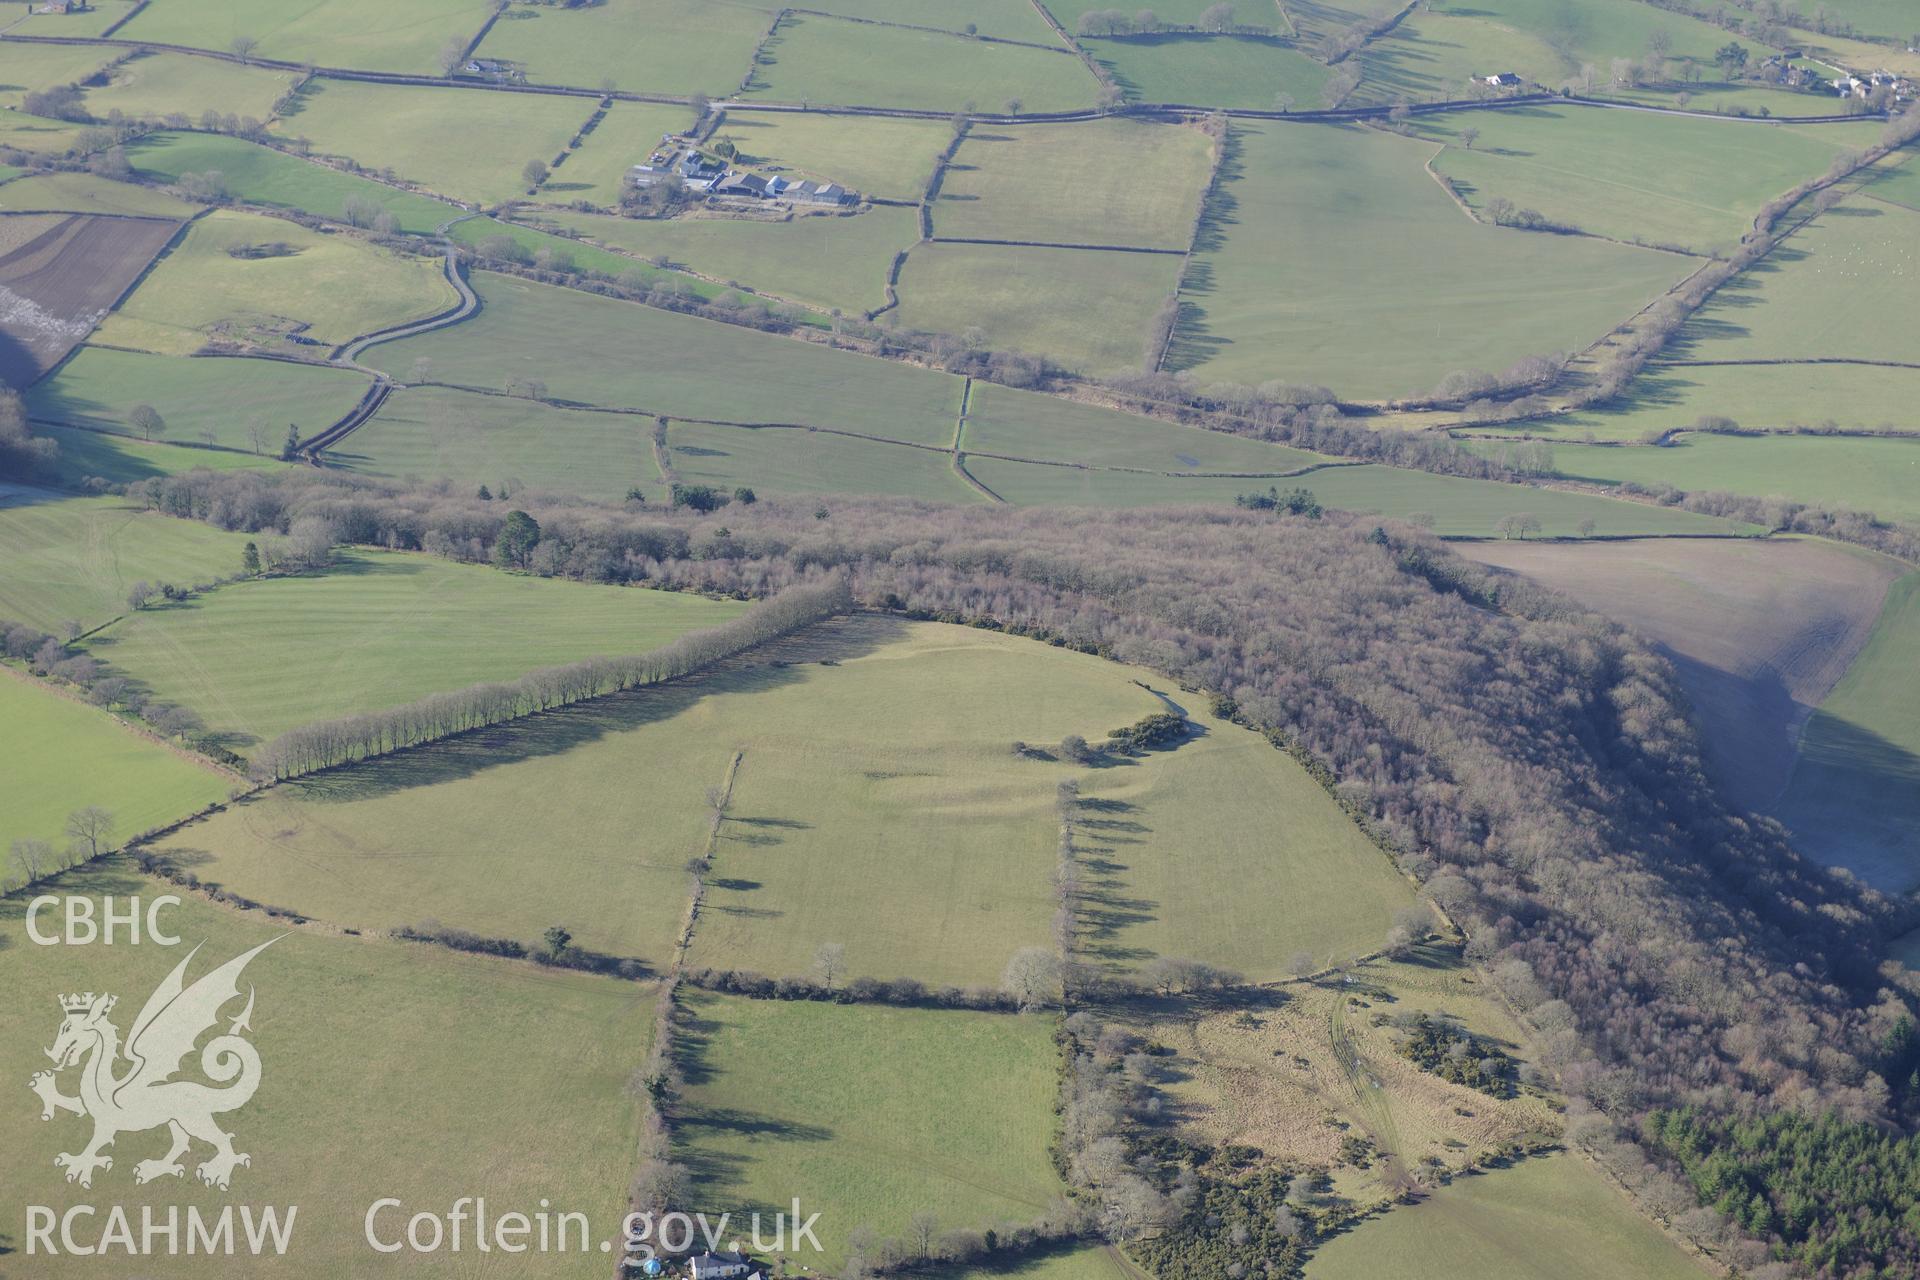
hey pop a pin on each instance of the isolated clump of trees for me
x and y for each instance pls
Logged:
(328, 743)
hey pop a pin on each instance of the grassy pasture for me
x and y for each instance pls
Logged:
(1759, 631)
(1112, 182)
(1208, 71)
(543, 1111)
(40, 136)
(868, 1114)
(1854, 798)
(1177, 838)
(1869, 17)
(1025, 425)
(832, 62)
(98, 387)
(369, 35)
(1039, 300)
(584, 256)
(773, 460)
(1757, 396)
(1735, 99)
(260, 657)
(1875, 474)
(27, 68)
(466, 144)
(874, 803)
(337, 285)
(81, 756)
(504, 442)
(1458, 507)
(161, 84)
(1695, 184)
(85, 455)
(1332, 257)
(822, 261)
(654, 46)
(626, 136)
(1007, 19)
(84, 193)
(793, 871)
(1822, 292)
(1896, 181)
(100, 15)
(1434, 55)
(618, 355)
(1549, 1218)
(1580, 31)
(881, 157)
(261, 175)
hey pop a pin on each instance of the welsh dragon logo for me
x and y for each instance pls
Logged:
(145, 1095)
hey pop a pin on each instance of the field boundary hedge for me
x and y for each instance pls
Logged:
(350, 739)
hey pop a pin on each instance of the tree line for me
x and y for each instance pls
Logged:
(346, 739)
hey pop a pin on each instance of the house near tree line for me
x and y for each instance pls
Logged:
(701, 172)
(1501, 80)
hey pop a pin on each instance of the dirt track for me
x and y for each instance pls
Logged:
(1760, 631)
(57, 285)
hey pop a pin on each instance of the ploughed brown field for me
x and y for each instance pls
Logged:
(59, 274)
(1760, 631)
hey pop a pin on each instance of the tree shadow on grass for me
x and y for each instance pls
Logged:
(768, 667)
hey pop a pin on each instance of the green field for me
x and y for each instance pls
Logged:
(1854, 797)
(1459, 508)
(793, 872)
(1177, 842)
(26, 68)
(503, 442)
(1873, 474)
(879, 156)
(371, 35)
(157, 85)
(1549, 1218)
(543, 1112)
(1340, 261)
(1039, 300)
(1757, 396)
(1898, 182)
(88, 455)
(1546, 41)
(1207, 71)
(867, 1114)
(465, 144)
(40, 136)
(209, 401)
(618, 355)
(773, 460)
(845, 795)
(625, 136)
(82, 757)
(1006, 19)
(1023, 425)
(84, 193)
(1869, 17)
(831, 62)
(656, 46)
(821, 261)
(1629, 175)
(378, 629)
(1112, 182)
(261, 175)
(93, 21)
(475, 231)
(328, 288)
(1821, 293)
(74, 558)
